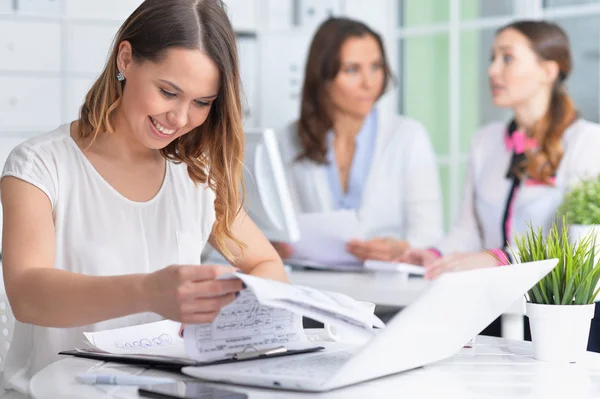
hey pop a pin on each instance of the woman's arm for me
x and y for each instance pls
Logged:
(42, 295)
(259, 258)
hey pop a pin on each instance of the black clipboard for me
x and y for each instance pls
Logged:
(174, 363)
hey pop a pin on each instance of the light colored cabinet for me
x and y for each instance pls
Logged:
(29, 103)
(56, 58)
(29, 46)
(76, 90)
(374, 13)
(311, 13)
(47, 8)
(281, 77)
(117, 10)
(243, 14)
(88, 47)
(6, 6)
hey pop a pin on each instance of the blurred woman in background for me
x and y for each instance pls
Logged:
(344, 153)
(519, 171)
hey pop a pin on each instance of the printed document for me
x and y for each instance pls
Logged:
(266, 315)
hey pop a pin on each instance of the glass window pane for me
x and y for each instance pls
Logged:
(555, 3)
(584, 83)
(422, 12)
(424, 85)
(473, 9)
(476, 106)
(450, 214)
(445, 185)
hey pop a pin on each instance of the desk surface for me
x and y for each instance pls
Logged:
(493, 368)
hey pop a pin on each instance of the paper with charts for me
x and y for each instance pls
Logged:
(266, 315)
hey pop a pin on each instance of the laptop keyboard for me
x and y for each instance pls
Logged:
(318, 366)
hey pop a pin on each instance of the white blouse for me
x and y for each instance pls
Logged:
(480, 222)
(401, 197)
(99, 232)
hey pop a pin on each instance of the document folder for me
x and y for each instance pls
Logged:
(166, 362)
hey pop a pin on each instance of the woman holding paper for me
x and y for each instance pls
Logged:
(105, 218)
(344, 153)
(518, 171)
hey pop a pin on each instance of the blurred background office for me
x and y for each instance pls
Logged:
(52, 50)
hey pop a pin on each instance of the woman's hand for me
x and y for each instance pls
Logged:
(190, 294)
(419, 256)
(284, 249)
(460, 261)
(386, 249)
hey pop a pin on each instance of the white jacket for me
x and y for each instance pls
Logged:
(402, 196)
(480, 221)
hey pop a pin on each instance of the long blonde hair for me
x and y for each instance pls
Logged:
(213, 152)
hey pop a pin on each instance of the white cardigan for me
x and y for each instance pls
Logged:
(402, 196)
(480, 221)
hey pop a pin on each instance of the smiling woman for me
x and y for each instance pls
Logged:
(105, 218)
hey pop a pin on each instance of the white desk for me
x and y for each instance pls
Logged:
(494, 368)
(392, 289)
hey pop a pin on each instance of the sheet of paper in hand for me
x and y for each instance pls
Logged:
(265, 320)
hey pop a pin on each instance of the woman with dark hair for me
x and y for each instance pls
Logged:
(344, 153)
(518, 172)
(96, 210)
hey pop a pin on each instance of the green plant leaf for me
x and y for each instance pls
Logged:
(574, 279)
(580, 204)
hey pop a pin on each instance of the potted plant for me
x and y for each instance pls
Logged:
(561, 305)
(581, 207)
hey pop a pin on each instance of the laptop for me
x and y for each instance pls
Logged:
(447, 315)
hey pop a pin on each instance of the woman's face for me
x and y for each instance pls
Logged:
(516, 73)
(166, 99)
(359, 82)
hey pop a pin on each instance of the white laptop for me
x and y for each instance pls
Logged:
(451, 311)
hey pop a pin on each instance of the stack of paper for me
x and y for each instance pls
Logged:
(267, 315)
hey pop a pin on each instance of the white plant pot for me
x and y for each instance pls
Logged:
(559, 333)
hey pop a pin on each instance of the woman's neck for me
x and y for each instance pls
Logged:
(121, 146)
(530, 112)
(347, 127)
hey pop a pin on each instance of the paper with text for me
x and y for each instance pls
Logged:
(159, 338)
(245, 325)
(266, 315)
(323, 237)
(324, 306)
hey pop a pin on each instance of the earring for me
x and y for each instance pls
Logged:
(120, 76)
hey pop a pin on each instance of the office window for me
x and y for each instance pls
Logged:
(584, 83)
(443, 58)
(422, 12)
(473, 9)
(424, 86)
(555, 3)
(476, 106)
